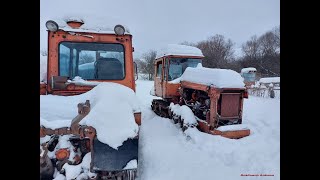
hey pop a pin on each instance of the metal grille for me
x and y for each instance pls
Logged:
(230, 104)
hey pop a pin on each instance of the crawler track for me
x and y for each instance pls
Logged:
(162, 109)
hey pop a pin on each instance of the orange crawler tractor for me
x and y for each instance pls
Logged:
(112, 61)
(217, 107)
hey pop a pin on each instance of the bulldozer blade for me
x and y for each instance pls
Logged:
(107, 159)
(235, 134)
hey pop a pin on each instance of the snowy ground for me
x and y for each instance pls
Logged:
(165, 153)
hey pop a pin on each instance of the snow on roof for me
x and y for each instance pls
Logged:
(179, 50)
(245, 70)
(220, 78)
(111, 114)
(91, 24)
(43, 68)
(270, 80)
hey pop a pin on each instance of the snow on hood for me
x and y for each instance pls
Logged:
(43, 68)
(220, 78)
(94, 24)
(111, 114)
(177, 49)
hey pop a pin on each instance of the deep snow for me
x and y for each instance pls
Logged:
(166, 153)
(112, 108)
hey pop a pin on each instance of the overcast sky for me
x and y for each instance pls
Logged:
(155, 23)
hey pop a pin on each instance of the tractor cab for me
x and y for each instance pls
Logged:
(214, 96)
(170, 64)
(249, 75)
(80, 58)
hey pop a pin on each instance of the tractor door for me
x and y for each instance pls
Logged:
(158, 80)
(165, 77)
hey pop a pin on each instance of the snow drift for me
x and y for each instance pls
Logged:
(111, 114)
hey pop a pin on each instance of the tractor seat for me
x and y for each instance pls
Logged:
(108, 68)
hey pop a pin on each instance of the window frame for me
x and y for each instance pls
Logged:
(158, 67)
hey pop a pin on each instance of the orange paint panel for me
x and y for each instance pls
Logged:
(186, 84)
(60, 36)
(170, 90)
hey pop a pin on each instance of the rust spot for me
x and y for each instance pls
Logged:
(62, 154)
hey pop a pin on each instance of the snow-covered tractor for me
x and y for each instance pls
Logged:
(89, 119)
(249, 76)
(194, 96)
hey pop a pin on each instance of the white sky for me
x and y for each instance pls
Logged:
(156, 23)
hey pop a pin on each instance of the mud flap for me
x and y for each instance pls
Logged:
(107, 159)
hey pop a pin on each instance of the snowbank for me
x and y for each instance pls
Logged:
(93, 24)
(111, 114)
(220, 78)
(270, 80)
(185, 113)
(181, 50)
(43, 68)
(166, 152)
(246, 70)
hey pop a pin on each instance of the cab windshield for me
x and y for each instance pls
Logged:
(249, 77)
(91, 61)
(179, 65)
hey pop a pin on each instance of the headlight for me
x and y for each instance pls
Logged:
(52, 26)
(119, 29)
